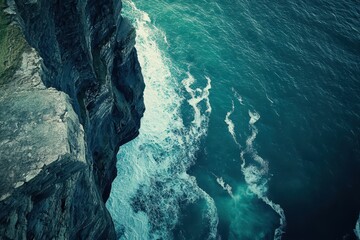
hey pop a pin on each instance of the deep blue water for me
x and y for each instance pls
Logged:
(252, 122)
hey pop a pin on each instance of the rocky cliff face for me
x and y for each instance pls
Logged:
(66, 106)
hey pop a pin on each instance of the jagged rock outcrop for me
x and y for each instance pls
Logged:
(75, 96)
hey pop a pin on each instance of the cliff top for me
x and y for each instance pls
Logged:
(36, 127)
(36, 123)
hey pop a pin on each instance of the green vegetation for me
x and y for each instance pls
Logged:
(12, 45)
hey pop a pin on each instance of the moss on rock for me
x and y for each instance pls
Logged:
(12, 45)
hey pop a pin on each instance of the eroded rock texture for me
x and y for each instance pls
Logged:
(74, 98)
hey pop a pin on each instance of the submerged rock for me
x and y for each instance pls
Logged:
(72, 97)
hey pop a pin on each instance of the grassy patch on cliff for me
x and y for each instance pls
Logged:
(12, 45)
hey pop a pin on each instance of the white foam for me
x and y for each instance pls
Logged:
(198, 95)
(254, 117)
(255, 168)
(282, 221)
(230, 124)
(152, 181)
(225, 186)
(256, 175)
(211, 215)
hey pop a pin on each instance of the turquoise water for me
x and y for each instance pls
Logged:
(252, 122)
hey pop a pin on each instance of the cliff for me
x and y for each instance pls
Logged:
(71, 92)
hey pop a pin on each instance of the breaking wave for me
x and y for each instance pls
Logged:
(152, 183)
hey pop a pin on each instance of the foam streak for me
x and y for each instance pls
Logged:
(256, 169)
(230, 124)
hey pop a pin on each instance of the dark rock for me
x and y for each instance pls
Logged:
(77, 96)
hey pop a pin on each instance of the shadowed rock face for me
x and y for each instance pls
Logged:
(88, 53)
(77, 96)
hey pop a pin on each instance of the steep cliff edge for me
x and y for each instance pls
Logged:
(70, 95)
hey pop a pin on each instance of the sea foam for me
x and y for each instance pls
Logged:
(225, 186)
(255, 168)
(230, 124)
(152, 182)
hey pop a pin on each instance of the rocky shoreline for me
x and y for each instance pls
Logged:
(74, 95)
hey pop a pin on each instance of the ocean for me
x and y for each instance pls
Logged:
(252, 122)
